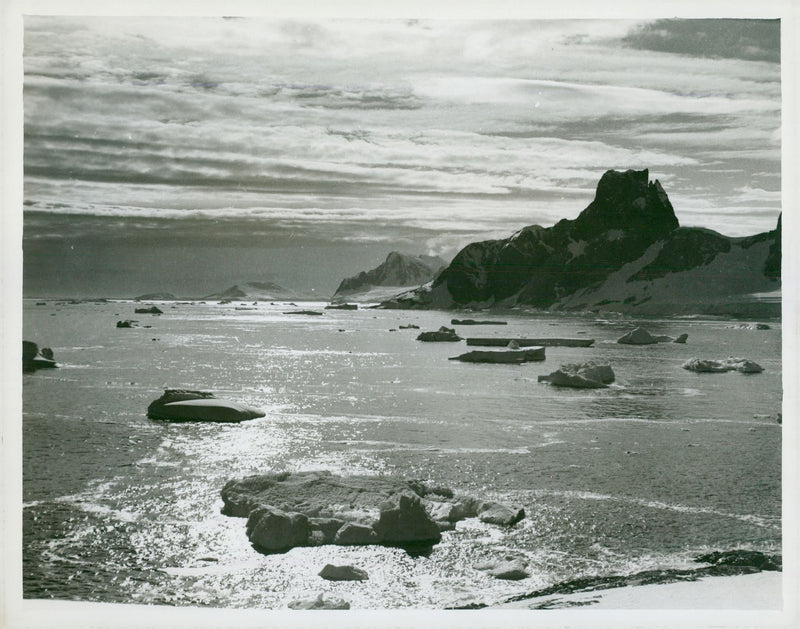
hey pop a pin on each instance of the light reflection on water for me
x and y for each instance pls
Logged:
(659, 468)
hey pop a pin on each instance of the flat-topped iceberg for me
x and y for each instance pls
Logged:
(315, 508)
(720, 366)
(182, 405)
(581, 376)
(640, 336)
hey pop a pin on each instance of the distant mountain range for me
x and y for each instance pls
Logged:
(254, 291)
(625, 252)
(156, 297)
(398, 273)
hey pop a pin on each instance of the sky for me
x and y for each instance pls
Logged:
(189, 154)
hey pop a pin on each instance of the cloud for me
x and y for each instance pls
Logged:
(728, 38)
(378, 124)
(568, 99)
(748, 195)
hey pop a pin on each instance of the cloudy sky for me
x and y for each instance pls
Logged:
(188, 154)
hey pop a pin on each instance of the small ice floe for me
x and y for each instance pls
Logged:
(320, 602)
(731, 363)
(510, 356)
(443, 334)
(588, 375)
(509, 568)
(750, 326)
(640, 336)
(151, 310)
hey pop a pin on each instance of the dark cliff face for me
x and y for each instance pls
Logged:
(540, 265)
(624, 253)
(686, 249)
(627, 201)
(772, 266)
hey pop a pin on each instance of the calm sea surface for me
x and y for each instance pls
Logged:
(665, 465)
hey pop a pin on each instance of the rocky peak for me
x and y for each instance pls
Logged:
(628, 201)
(397, 270)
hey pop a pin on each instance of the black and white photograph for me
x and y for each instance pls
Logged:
(455, 317)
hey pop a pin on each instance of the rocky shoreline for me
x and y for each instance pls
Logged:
(731, 580)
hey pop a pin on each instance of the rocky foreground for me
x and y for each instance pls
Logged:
(287, 510)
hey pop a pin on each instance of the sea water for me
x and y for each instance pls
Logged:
(646, 475)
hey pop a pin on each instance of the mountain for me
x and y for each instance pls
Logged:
(254, 291)
(625, 252)
(156, 297)
(398, 273)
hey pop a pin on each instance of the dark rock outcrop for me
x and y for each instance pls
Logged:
(685, 250)
(127, 323)
(34, 358)
(625, 252)
(313, 508)
(353, 534)
(403, 519)
(343, 573)
(183, 405)
(495, 513)
(150, 310)
(271, 530)
(742, 558)
(772, 265)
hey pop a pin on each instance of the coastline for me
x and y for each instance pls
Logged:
(758, 591)
(750, 600)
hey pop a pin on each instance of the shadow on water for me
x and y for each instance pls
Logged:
(413, 549)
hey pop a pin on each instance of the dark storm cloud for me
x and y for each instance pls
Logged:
(755, 40)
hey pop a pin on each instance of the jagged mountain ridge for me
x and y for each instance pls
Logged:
(624, 252)
(397, 273)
